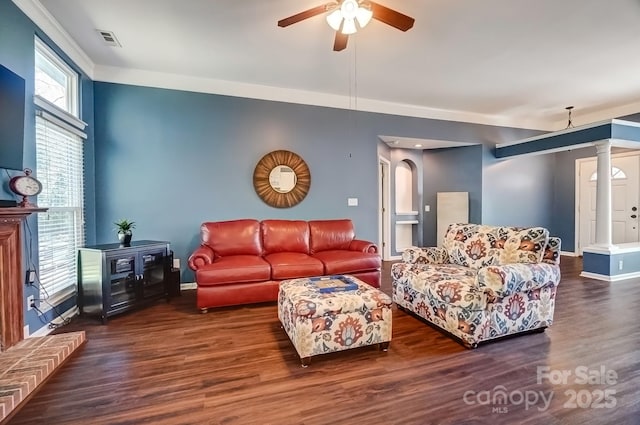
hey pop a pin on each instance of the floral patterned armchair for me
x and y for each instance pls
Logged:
(485, 282)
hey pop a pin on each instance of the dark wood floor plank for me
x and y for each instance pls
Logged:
(169, 364)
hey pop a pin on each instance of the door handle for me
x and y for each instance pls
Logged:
(633, 216)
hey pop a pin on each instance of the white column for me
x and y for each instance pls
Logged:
(603, 194)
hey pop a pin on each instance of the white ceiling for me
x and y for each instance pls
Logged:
(504, 62)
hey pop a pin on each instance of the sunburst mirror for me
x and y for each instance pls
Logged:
(281, 179)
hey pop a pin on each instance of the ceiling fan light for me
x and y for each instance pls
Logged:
(349, 9)
(364, 16)
(334, 19)
(349, 26)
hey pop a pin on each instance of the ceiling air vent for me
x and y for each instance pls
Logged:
(109, 38)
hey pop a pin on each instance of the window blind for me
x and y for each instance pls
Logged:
(60, 165)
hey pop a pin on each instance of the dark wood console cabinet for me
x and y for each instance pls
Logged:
(113, 278)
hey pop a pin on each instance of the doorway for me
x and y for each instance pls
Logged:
(625, 194)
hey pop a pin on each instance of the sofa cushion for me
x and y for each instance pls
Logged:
(285, 236)
(341, 261)
(449, 284)
(476, 245)
(235, 237)
(234, 269)
(330, 234)
(289, 265)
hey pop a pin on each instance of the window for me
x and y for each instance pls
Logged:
(55, 80)
(59, 162)
(616, 174)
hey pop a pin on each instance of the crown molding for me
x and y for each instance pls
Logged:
(146, 78)
(52, 28)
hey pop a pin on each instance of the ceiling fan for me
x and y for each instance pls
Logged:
(342, 16)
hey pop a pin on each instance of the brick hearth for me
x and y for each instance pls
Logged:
(25, 367)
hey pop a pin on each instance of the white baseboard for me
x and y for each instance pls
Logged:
(614, 278)
(185, 286)
(394, 258)
(46, 330)
(569, 254)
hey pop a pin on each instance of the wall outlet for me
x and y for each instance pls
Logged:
(352, 202)
(427, 208)
(176, 263)
(620, 264)
(30, 301)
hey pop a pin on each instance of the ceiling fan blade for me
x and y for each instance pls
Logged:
(340, 42)
(302, 16)
(391, 17)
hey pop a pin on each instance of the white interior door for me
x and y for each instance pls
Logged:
(384, 187)
(625, 190)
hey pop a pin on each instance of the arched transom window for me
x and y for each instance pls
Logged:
(616, 174)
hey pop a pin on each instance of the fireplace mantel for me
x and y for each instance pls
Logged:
(11, 275)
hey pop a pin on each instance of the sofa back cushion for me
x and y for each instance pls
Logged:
(234, 237)
(285, 236)
(476, 245)
(330, 234)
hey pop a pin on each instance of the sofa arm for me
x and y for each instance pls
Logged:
(201, 256)
(425, 255)
(363, 246)
(501, 281)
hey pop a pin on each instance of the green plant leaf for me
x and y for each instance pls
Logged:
(124, 225)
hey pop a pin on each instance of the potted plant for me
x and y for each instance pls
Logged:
(124, 227)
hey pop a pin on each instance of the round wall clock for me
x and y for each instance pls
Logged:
(25, 186)
(281, 179)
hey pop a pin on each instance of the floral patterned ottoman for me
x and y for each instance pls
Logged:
(320, 323)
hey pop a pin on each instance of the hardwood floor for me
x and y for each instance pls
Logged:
(169, 364)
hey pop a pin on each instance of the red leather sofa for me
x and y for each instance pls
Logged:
(243, 261)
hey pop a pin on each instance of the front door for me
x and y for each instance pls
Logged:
(625, 192)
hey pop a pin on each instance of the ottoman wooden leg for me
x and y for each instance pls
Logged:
(383, 346)
(204, 310)
(305, 361)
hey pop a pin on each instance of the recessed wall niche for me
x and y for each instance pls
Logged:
(407, 214)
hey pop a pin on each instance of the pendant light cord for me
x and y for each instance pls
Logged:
(355, 73)
(352, 71)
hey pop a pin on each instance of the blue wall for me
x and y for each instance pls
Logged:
(170, 160)
(17, 34)
(451, 170)
(518, 191)
(609, 265)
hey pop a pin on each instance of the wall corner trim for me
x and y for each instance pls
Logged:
(52, 28)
